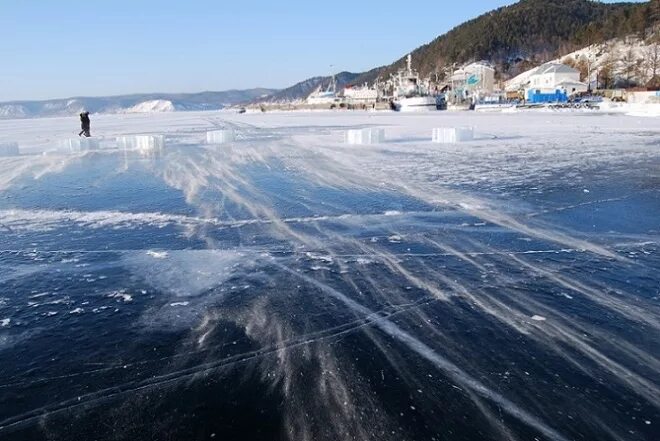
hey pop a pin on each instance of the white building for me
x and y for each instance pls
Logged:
(471, 84)
(555, 76)
(475, 76)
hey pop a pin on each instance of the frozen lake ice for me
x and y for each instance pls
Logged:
(290, 286)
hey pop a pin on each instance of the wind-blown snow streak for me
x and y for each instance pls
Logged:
(48, 220)
(335, 167)
(368, 259)
(449, 368)
(14, 168)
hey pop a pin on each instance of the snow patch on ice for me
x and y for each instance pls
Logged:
(121, 296)
(48, 220)
(195, 277)
(157, 254)
(320, 257)
(395, 238)
(320, 268)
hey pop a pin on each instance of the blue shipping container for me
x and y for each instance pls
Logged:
(535, 96)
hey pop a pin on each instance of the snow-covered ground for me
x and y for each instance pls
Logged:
(522, 148)
(501, 288)
(42, 135)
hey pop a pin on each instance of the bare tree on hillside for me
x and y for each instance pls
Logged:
(629, 67)
(652, 58)
(606, 73)
(583, 66)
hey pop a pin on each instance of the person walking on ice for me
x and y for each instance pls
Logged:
(85, 125)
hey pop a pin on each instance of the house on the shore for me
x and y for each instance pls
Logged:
(472, 81)
(553, 82)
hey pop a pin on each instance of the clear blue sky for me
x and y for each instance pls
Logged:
(62, 48)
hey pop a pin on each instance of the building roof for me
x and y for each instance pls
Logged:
(477, 66)
(555, 68)
(471, 69)
(567, 84)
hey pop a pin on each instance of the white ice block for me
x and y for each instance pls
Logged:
(220, 137)
(452, 135)
(8, 149)
(75, 145)
(142, 143)
(365, 136)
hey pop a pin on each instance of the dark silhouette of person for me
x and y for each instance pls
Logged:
(85, 125)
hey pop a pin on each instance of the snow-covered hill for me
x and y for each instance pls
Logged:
(13, 111)
(152, 106)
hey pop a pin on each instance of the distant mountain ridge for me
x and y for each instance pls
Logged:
(148, 102)
(304, 88)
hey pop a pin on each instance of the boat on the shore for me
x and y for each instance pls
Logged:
(324, 96)
(411, 94)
